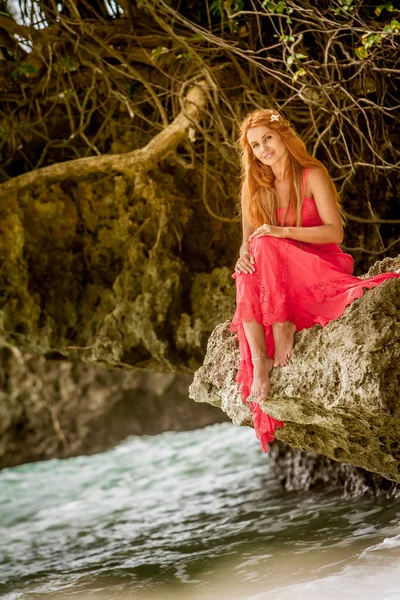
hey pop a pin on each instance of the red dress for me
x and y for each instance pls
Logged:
(305, 283)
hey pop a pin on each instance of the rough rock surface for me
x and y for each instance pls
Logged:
(304, 471)
(339, 393)
(57, 409)
(115, 270)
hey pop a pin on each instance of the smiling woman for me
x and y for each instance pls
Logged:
(291, 273)
(270, 143)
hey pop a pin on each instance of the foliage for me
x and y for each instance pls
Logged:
(88, 79)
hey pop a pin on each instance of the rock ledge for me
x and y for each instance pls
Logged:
(339, 394)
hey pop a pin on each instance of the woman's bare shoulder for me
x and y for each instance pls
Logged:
(316, 173)
(317, 179)
(312, 178)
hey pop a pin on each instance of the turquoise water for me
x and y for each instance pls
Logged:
(191, 515)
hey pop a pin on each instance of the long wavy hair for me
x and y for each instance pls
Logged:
(258, 179)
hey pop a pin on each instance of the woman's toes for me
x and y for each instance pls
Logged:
(259, 394)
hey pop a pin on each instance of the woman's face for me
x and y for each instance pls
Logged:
(266, 144)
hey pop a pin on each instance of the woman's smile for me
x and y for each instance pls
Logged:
(266, 156)
(267, 146)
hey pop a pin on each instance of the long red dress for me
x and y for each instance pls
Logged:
(305, 283)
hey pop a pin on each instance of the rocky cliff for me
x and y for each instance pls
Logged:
(110, 260)
(57, 409)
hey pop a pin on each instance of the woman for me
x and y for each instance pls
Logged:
(291, 272)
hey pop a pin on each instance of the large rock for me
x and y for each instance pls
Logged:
(339, 393)
(124, 272)
(57, 409)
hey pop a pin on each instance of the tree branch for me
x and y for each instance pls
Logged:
(372, 221)
(142, 159)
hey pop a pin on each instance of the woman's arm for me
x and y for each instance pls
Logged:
(320, 234)
(332, 229)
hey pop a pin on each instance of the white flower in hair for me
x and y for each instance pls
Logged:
(275, 117)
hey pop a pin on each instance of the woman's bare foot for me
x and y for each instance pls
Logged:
(262, 367)
(284, 341)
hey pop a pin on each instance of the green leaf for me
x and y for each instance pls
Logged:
(286, 38)
(369, 39)
(395, 25)
(24, 69)
(387, 6)
(186, 55)
(215, 7)
(269, 5)
(361, 52)
(299, 73)
(280, 7)
(65, 64)
(156, 53)
(301, 56)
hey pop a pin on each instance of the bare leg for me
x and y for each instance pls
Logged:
(255, 334)
(284, 341)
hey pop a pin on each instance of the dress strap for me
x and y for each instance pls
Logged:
(305, 175)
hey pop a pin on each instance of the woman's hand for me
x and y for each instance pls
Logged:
(272, 230)
(245, 262)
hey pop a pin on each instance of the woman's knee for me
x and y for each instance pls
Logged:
(266, 246)
(266, 241)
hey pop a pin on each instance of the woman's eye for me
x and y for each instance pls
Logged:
(264, 139)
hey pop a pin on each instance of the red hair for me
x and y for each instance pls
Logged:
(258, 179)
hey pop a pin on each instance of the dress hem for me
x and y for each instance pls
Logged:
(265, 425)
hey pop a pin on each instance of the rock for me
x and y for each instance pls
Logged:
(339, 393)
(57, 409)
(115, 271)
(304, 471)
